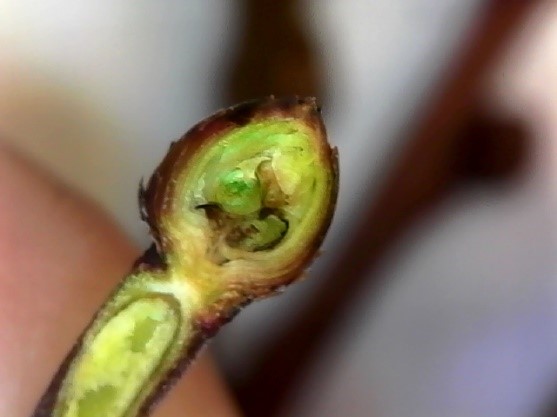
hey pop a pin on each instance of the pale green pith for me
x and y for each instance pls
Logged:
(125, 352)
(135, 339)
(271, 185)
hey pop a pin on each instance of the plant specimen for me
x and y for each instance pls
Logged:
(237, 209)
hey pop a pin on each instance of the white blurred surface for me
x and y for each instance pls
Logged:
(96, 90)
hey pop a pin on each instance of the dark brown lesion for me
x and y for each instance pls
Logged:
(151, 259)
(257, 232)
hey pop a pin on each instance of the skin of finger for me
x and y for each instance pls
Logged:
(60, 256)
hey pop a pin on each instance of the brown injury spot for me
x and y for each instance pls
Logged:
(239, 232)
(274, 197)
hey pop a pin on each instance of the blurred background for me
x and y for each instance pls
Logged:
(437, 291)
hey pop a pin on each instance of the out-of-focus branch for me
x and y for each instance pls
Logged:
(453, 140)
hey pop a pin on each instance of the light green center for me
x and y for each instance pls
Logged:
(119, 360)
(238, 193)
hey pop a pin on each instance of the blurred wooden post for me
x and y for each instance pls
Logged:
(277, 54)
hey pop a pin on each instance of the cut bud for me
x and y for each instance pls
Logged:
(237, 209)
